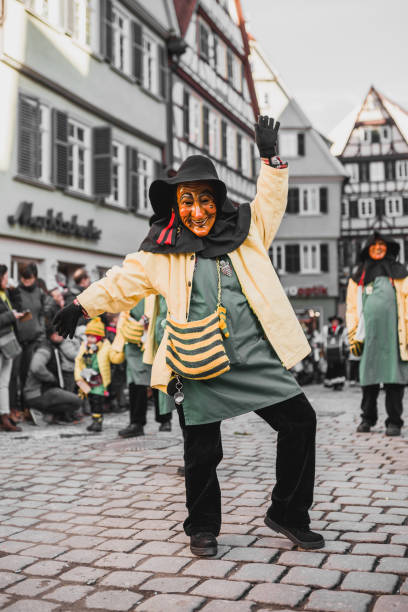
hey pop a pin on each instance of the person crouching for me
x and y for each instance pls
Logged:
(93, 369)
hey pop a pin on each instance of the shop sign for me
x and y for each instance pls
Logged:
(316, 291)
(53, 222)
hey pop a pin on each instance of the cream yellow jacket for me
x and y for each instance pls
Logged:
(106, 355)
(401, 292)
(171, 276)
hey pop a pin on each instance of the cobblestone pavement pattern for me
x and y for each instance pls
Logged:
(87, 523)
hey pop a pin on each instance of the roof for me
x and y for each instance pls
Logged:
(341, 133)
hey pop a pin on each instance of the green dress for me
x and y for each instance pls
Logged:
(137, 372)
(381, 361)
(91, 361)
(257, 378)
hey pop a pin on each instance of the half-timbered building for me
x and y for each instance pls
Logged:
(372, 143)
(214, 101)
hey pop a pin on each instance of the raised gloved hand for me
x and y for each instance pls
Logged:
(66, 320)
(266, 136)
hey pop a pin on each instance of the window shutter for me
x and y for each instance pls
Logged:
(215, 51)
(224, 140)
(28, 136)
(137, 51)
(405, 208)
(206, 127)
(292, 258)
(301, 144)
(186, 115)
(60, 159)
(253, 161)
(132, 200)
(293, 201)
(163, 69)
(239, 152)
(102, 161)
(389, 171)
(324, 200)
(406, 250)
(324, 257)
(106, 29)
(353, 209)
(380, 207)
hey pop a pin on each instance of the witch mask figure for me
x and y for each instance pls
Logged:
(231, 335)
(378, 329)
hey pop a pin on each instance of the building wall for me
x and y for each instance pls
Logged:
(41, 61)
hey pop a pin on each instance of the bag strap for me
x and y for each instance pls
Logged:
(219, 282)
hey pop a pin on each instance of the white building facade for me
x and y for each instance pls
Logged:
(83, 129)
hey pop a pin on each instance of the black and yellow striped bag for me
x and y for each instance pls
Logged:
(195, 349)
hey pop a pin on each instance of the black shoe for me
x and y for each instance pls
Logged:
(95, 426)
(203, 544)
(132, 431)
(301, 536)
(165, 426)
(364, 427)
(393, 430)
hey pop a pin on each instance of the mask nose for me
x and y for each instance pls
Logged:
(197, 212)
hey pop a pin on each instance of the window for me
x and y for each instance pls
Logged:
(310, 260)
(49, 10)
(344, 208)
(385, 134)
(121, 40)
(352, 171)
(145, 166)
(277, 254)
(204, 41)
(150, 64)
(290, 145)
(246, 157)
(375, 136)
(186, 114)
(215, 135)
(195, 121)
(206, 128)
(230, 67)
(309, 201)
(231, 147)
(237, 73)
(366, 208)
(118, 196)
(239, 152)
(377, 171)
(364, 172)
(224, 140)
(221, 52)
(79, 161)
(401, 169)
(393, 206)
(83, 22)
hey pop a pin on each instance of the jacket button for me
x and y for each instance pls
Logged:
(189, 283)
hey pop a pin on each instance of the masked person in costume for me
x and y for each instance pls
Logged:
(377, 323)
(210, 262)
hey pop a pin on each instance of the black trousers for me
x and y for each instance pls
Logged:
(292, 495)
(137, 403)
(56, 401)
(96, 403)
(393, 404)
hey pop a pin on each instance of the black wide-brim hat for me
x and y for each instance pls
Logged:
(393, 247)
(162, 192)
(339, 319)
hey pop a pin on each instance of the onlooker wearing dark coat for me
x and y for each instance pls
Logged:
(82, 282)
(45, 388)
(9, 347)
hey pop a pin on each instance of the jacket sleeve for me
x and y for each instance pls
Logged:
(351, 309)
(122, 287)
(269, 204)
(7, 318)
(79, 364)
(39, 368)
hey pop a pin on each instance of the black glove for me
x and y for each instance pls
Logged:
(266, 136)
(66, 320)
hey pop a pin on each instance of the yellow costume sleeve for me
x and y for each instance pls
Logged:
(269, 204)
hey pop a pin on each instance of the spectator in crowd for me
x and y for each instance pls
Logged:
(377, 322)
(70, 347)
(93, 369)
(81, 282)
(335, 350)
(45, 388)
(9, 349)
(117, 399)
(30, 332)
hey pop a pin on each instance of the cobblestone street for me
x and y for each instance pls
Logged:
(92, 522)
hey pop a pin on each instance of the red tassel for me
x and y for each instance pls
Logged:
(166, 229)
